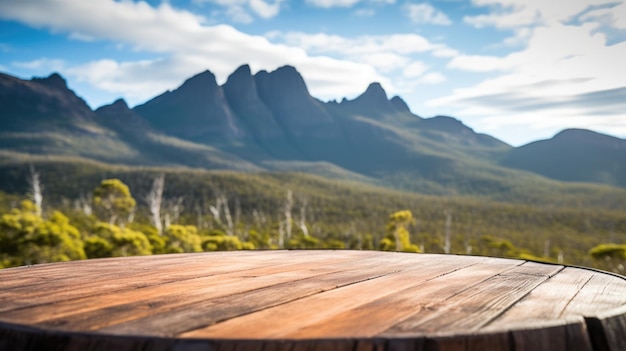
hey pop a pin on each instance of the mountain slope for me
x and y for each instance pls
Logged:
(43, 116)
(269, 121)
(574, 155)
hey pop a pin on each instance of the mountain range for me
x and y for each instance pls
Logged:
(269, 122)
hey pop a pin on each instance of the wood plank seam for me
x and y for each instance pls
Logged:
(288, 301)
(413, 285)
(133, 288)
(547, 276)
(118, 307)
(426, 307)
(573, 297)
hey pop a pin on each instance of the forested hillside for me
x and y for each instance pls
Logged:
(258, 163)
(95, 210)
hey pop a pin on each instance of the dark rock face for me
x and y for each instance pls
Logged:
(119, 116)
(286, 95)
(241, 94)
(40, 103)
(54, 81)
(196, 110)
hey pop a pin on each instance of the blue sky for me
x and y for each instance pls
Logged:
(520, 70)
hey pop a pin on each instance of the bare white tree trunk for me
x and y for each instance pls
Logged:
(303, 227)
(546, 248)
(446, 245)
(173, 209)
(84, 204)
(237, 215)
(154, 199)
(288, 206)
(215, 210)
(229, 218)
(281, 235)
(36, 189)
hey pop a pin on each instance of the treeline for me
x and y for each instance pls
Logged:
(94, 212)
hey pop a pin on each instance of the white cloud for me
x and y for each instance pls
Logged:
(239, 14)
(264, 9)
(186, 44)
(612, 16)
(397, 55)
(327, 4)
(415, 69)
(478, 63)
(332, 3)
(566, 75)
(516, 13)
(426, 13)
(365, 12)
(402, 44)
(432, 78)
(239, 10)
(445, 52)
(41, 64)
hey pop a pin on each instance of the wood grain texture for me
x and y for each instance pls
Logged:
(310, 300)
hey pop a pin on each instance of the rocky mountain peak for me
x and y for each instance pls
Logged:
(52, 81)
(399, 104)
(240, 84)
(286, 80)
(375, 92)
(200, 82)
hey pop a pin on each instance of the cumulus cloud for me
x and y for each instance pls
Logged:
(240, 10)
(396, 55)
(401, 44)
(327, 4)
(184, 45)
(432, 78)
(332, 3)
(612, 16)
(41, 64)
(425, 13)
(565, 73)
(479, 63)
(515, 13)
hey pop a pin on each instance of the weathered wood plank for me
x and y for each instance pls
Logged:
(310, 300)
(472, 308)
(387, 310)
(157, 292)
(603, 292)
(323, 308)
(209, 311)
(97, 283)
(101, 311)
(547, 302)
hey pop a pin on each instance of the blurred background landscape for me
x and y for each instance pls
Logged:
(270, 134)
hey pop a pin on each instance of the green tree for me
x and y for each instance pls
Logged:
(113, 201)
(109, 240)
(398, 237)
(27, 238)
(217, 240)
(611, 257)
(182, 238)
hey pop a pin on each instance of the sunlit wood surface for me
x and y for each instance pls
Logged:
(310, 300)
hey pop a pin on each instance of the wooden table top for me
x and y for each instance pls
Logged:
(310, 300)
